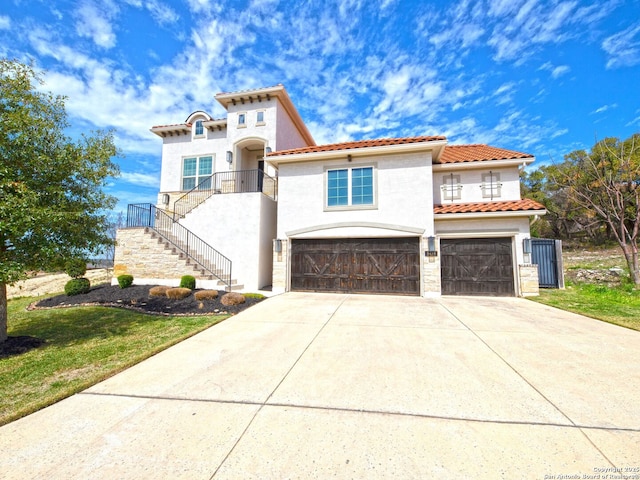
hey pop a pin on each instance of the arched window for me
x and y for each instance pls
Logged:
(199, 130)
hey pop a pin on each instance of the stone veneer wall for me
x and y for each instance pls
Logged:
(140, 255)
(431, 279)
(280, 261)
(529, 283)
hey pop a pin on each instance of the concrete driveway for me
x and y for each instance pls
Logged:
(355, 386)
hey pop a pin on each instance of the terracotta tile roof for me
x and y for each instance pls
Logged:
(250, 90)
(489, 207)
(474, 153)
(380, 142)
(175, 125)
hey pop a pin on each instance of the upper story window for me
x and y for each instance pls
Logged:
(451, 187)
(348, 187)
(491, 185)
(242, 120)
(199, 128)
(260, 117)
(196, 172)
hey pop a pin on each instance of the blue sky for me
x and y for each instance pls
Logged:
(541, 77)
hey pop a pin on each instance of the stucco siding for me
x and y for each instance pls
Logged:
(288, 135)
(241, 227)
(401, 189)
(471, 181)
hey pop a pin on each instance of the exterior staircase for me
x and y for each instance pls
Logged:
(207, 262)
(198, 270)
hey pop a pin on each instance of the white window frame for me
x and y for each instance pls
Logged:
(242, 116)
(258, 121)
(350, 206)
(199, 178)
(491, 185)
(195, 128)
(451, 187)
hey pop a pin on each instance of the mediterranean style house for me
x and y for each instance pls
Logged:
(250, 201)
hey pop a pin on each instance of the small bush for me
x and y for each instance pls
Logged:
(259, 296)
(188, 281)
(178, 293)
(206, 295)
(76, 267)
(159, 291)
(77, 286)
(125, 281)
(232, 298)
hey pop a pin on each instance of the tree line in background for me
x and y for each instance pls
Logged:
(592, 197)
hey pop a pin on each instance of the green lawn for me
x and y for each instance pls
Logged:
(617, 305)
(84, 345)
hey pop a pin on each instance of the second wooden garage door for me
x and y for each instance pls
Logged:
(477, 266)
(375, 265)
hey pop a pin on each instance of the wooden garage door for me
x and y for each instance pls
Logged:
(377, 265)
(477, 266)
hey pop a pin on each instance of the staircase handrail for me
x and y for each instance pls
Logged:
(181, 238)
(235, 181)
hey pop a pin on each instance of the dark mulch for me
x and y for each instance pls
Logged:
(18, 345)
(137, 298)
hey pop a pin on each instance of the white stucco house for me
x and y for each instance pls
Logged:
(250, 201)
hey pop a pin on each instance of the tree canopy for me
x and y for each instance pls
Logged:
(596, 192)
(52, 204)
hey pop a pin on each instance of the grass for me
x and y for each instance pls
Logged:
(84, 345)
(618, 305)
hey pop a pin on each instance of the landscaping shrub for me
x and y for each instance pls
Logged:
(77, 286)
(232, 298)
(188, 281)
(159, 291)
(259, 296)
(125, 281)
(76, 267)
(206, 295)
(178, 293)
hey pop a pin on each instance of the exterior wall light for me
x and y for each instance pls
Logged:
(431, 247)
(229, 157)
(526, 245)
(278, 245)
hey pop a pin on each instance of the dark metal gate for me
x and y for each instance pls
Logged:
(544, 253)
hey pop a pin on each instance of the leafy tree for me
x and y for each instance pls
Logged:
(51, 200)
(606, 183)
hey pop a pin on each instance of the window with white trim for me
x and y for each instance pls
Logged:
(197, 172)
(242, 120)
(260, 117)
(451, 187)
(198, 129)
(491, 185)
(350, 187)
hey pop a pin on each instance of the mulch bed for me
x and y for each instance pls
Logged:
(137, 298)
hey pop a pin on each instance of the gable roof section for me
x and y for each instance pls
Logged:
(523, 205)
(477, 153)
(380, 142)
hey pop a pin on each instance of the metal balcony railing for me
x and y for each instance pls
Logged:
(241, 181)
(182, 239)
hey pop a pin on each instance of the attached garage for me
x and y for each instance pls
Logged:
(372, 265)
(477, 266)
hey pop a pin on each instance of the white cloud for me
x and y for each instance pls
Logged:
(560, 70)
(141, 179)
(604, 108)
(95, 23)
(5, 22)
(623, 48)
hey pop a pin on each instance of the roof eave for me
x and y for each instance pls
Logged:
(472, 164)
(357, 152)
(475, 215)
(163, 131)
